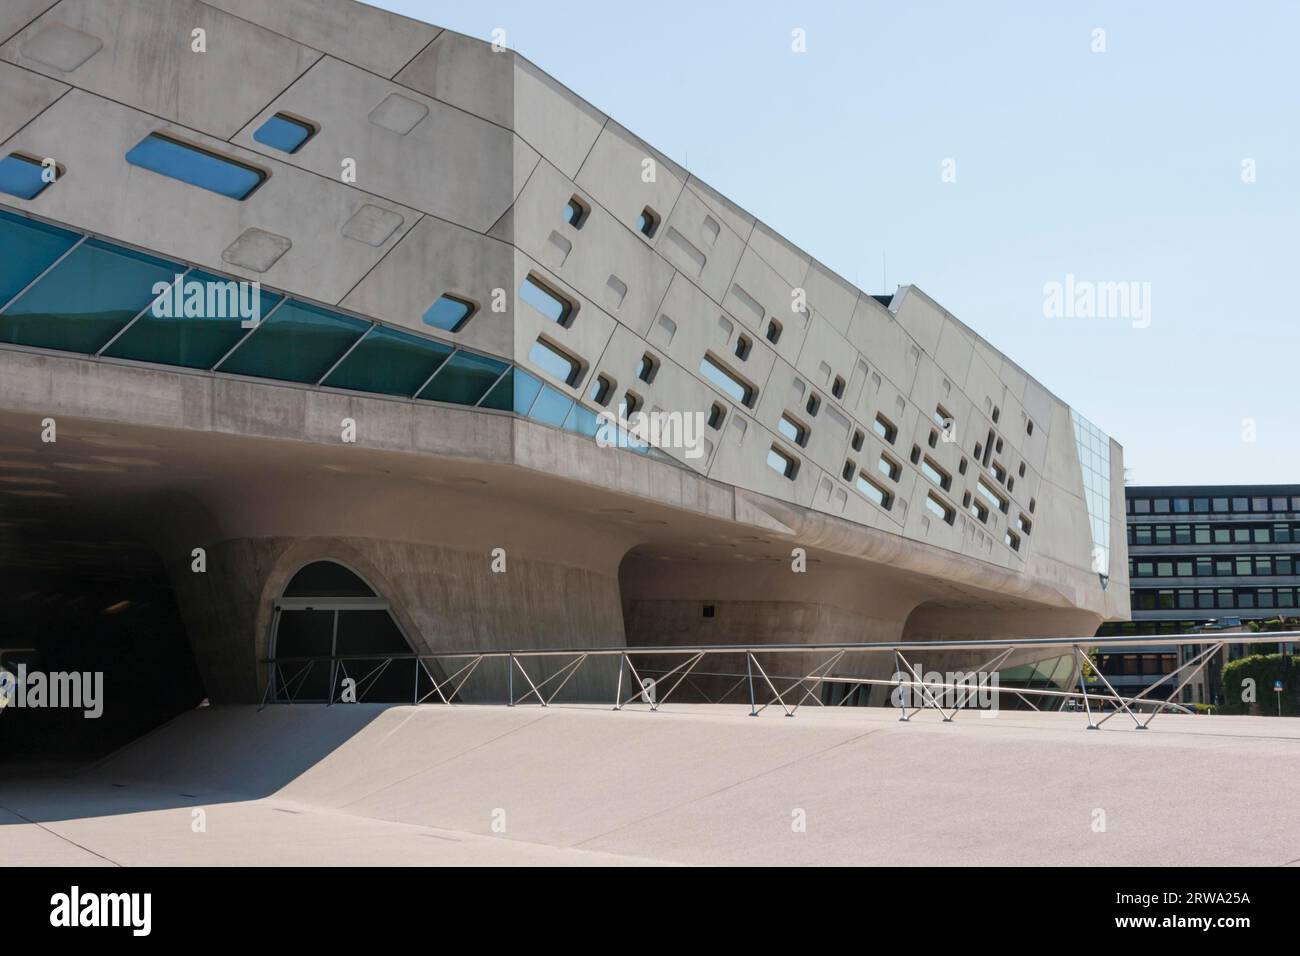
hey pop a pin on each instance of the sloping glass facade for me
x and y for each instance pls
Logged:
(65, 291)
(1094, 462)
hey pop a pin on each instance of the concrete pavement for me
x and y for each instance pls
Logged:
(691, 784)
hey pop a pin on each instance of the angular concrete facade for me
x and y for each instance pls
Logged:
(936, 488)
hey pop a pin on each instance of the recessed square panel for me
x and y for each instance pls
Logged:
(61, 47)
(372, 225)
(398, 114)
(256, 249)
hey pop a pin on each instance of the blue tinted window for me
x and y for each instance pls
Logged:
(194, 323)
(27, 248)
(464, 379)
(526, 389)
(389, 362)
(726, 381)
(551, 407)
(553, 362)
(297, 344)
(86, 299)
(502, 394)
(583, 421)
(550, 304)
(195, 166)
(448, 313)
(283, 133)
(21, 177)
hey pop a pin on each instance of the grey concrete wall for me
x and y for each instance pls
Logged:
(446, 600)
(476, 189)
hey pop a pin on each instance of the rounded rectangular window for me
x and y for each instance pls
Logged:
(575, 212)
(935, 473)
(547, 301)
(22, 176)
(555, 363)
(601, 390)
(198, 167)
(938, 508)
(648, 222)
(795, 431)
(647, 367)
(783, 464)
(875, 492)
(284, 133)
(728, 381)
(449, 313)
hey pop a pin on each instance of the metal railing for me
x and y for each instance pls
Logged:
(761, 689)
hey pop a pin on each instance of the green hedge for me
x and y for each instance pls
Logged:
(1275, 624)
(1264, 669)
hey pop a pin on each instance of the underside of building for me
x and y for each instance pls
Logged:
(400, 438)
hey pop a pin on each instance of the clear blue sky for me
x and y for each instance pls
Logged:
(1117, 166)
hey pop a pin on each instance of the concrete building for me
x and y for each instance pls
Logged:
(461, 265)
(1204, 556)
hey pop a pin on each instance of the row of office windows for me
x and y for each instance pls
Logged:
(1135, 664)
(1173, 599)
(1238, 566)
(1240, 504)
(1277, 533)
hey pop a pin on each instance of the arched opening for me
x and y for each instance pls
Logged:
(333, 639)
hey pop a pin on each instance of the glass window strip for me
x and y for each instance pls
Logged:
(188, 269)
(44, 272)
(350, 349)
(244, 338)
(282, 300)
(154, 301)
(482, 398)
(442, 365)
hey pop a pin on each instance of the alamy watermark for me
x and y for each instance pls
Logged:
(973, 689)
(133, 911)
(684, 430)
(62, 689)
(1085, 299)
(212, 299)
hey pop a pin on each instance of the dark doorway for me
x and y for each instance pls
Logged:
(333, 639)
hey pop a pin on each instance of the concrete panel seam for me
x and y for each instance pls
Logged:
(288, 86)
(51, 6)
(418, 54)
(18, 132)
